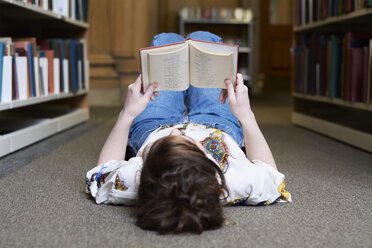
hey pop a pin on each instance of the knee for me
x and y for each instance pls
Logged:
(166, 38)
(205, 35)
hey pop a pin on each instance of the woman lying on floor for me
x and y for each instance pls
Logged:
(186, 166)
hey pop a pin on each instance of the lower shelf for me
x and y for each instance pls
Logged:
(348, 135)
(39, 129)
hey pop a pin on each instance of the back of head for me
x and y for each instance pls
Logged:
(179, 190)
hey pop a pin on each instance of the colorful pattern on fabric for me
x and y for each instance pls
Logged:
(239, 201)
(216, 146)
(162, 127)
(99, 177)
(264, 203)
(120, 183)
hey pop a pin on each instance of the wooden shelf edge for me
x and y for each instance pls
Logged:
(21, 138)
(336, 101)
(4, 105)
(345, 134)
(48, 13)
(5, 145)
(40, 99)
(333, 19)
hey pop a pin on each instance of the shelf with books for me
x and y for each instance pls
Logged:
(234, 25)
(44, 82)
(356, 16)
(29, 11)
(332, 72)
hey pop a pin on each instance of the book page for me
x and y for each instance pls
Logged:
(169, 69)
(209, 69)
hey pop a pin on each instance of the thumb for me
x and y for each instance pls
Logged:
(150, 90)
(230, 90)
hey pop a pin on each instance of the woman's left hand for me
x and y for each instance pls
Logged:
(135, 101)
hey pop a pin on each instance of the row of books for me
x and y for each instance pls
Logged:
(309, 11)
(216, 13)
(334, 65)
(33, 68)
(75, 9)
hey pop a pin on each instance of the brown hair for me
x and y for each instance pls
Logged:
(179, 190)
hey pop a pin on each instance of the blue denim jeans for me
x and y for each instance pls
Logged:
(203, 106)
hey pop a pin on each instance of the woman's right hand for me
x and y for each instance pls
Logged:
(237, 97)
(135, 101)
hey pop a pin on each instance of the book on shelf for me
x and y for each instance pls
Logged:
(32, 68)
(74, 9)
(198, 63)
(309, 11)
(240, 14)
(334, 66)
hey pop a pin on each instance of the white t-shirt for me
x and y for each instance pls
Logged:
(250, 182)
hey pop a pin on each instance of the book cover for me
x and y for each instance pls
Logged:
(328, 68)
(199, 63)
(323, 67)
(22, 72)
(32, 53)
(22, 49)
(37, 76)
(2, 54)
(335, 68)
(369, 82)
(356, 73)
(67, 56)
(49, 54)
(57, 46)
(364, 87)
(44, 74)
(6, 87)
(353, 40)
(56, 75)
(73, 65)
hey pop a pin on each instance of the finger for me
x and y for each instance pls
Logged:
(150, 90)
(152, 98)
(230, 90)
(220, 97)
(138, 83)
(224, 97)
(239, 81)
(156, 93)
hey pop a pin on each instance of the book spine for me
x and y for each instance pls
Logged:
(2, 54)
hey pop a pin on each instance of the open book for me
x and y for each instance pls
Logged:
(202, 64)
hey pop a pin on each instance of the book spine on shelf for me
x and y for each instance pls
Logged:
(2, 53)
(74, 9)
(309, 11)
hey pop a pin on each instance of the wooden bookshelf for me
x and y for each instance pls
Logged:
(347, 121)
(38, 12)
(358, 16)
(24, 122)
